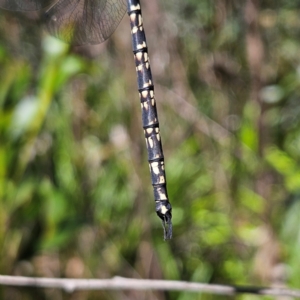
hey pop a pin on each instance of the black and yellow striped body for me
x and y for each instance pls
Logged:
(149, 117)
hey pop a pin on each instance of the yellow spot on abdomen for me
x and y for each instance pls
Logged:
(155, 168)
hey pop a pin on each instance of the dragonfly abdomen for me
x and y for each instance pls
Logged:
(149, 117)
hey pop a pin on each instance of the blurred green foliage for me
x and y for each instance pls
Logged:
(75, 190)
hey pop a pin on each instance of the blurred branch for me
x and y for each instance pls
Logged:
(121, 283)
(200, 121)
(255, 57)
(192, 115)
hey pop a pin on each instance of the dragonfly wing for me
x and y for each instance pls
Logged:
(25, 5)
(82, 22)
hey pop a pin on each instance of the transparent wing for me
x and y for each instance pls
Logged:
(81, 22)
(25, 5)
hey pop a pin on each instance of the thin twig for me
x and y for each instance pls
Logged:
(121, 283)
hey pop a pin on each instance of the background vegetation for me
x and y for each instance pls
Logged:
(75, 190)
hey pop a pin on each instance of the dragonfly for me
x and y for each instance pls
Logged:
(88, 22)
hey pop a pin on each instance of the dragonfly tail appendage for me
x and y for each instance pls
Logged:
(164, 211)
